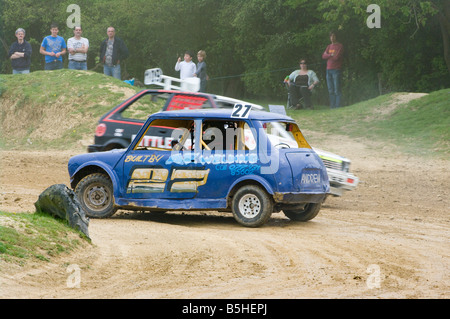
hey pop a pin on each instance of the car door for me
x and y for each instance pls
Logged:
(151, 172)
(226, 155)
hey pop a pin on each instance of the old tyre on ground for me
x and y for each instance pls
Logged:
(251, 206)
(303, 214)
(95, 193)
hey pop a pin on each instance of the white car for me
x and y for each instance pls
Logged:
(338, 169)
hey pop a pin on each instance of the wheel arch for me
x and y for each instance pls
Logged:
(116, 143)
(249, 180)
(87, 170)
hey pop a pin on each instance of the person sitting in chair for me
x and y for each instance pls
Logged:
(301, 82)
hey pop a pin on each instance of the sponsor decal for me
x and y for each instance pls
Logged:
(143, 158)
(155, 180)
(220, 158)
(155, 141)
(118, 132)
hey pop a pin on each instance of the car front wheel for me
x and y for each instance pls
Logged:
(252, 206)
(307, 213)
(95, 193)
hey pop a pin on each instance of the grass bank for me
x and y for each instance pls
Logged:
(56, 109)
(26, 237)
(418, 124)
(60, 109)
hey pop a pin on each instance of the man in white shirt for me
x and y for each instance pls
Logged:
(187, 68)
(78, 48)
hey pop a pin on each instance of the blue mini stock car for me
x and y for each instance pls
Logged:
(236, 160)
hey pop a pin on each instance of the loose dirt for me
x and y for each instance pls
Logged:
(389, 238)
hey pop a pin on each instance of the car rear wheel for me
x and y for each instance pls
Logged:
(95, 193)
(252, 206)
(303, 214)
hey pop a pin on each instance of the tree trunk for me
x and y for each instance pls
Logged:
(4, 45)
(444, 21)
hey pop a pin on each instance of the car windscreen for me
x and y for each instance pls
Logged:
(285, 135)
(144, 106)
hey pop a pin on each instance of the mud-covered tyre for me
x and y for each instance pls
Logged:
(251, 206)
(95, 193)
(302, 215)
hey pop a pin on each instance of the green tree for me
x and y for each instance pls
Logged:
(404, 54)
(252, 45)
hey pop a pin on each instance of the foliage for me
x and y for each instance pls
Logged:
(252, 45)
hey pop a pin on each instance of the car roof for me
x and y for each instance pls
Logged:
(221, 114)
(218, 99)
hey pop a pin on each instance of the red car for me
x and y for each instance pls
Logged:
(117, 128)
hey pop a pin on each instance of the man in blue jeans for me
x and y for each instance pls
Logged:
(78, 48)
(20, 54)
(334, 56)
(53, 47)
(112, 51)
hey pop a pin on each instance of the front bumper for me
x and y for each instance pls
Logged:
(341, 181)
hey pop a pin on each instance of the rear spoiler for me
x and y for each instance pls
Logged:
(156, 77)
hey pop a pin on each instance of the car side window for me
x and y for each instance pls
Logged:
(168, 135)
(188, 102)
(226, 135)
(144, 106)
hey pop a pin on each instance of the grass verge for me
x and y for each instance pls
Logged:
(36, 236)
(420, 126)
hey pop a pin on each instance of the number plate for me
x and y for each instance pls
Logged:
(311, 179)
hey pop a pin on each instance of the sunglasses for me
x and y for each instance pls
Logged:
(302, 62)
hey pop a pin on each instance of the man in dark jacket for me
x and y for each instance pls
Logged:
(20, 54)
(112, 51)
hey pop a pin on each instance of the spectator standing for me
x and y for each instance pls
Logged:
(20, 54)
(201, 72)
(112, 51)
(78, 48)
(53, 47)
(187, 68)
(334, 56)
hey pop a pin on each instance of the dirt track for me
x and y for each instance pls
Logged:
(387, 239)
